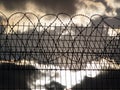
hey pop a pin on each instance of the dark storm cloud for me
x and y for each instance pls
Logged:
(108, 8)
(118, 12)
(49, 6)
(111, 5)
(57, 6)
(118, 1)
(14, 4)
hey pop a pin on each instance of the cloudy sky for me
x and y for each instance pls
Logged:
(109, 8)
(87, 7)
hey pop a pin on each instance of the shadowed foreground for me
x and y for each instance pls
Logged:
(14, 77)
(110, 80)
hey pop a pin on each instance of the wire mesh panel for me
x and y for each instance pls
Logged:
(50, 53)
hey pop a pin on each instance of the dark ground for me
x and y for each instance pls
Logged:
(13, 77)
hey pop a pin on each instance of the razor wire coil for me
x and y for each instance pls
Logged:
(67, 43)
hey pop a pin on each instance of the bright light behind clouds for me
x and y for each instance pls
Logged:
(71, 7)
(41, 7)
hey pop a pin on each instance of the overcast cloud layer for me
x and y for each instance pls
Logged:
(48, 6)
(107, 7)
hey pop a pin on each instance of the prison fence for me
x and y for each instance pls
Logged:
(61, 40)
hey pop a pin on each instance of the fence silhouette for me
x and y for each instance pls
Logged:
(51, 39)
(49, 43)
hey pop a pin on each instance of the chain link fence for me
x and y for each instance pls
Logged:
(52, 40)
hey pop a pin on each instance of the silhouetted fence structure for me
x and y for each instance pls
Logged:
(59, 39)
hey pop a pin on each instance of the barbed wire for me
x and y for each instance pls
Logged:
(59, 39)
